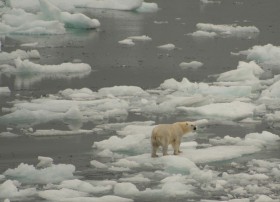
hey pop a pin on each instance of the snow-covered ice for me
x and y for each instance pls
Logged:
(190, 65)
(22, 54)
(76, 20)
(51, 20)
(138, 5)
(29, 174)
(9, 189)
(127, 42)
(267, 55)
(168, 47)
(223, 30)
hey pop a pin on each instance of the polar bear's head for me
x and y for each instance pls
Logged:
(188, 126)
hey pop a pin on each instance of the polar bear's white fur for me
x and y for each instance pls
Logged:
(166, 134)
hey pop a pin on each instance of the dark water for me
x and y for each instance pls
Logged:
(142, 65)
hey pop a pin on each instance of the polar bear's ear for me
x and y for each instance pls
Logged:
(187, 123)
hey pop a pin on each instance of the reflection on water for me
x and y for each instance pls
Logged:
(27, 80)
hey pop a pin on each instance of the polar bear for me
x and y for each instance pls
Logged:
(166, 134)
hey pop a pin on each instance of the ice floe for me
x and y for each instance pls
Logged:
(190, 65)
(27, 73)
(138, 5)
(65, 68)
(235, 110)
(10, 189)
(127, 42)
(22, 54)
(51, 20)
(130, 41)
(266, 55)
(44, 162)
(167, 47)
(76, 20)
(203, 34)
(244, 72)
(212, 30)
(28, 174)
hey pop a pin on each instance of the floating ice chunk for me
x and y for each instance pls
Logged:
(261, 139)
(98, 164)
(235, 110)
(244, 178)
(9, 189)
(227, 140)
(78, 94)
(229, 30)
(28, 66)
(219, 153)
(140, 38)
(128, 143)
(239, 191)
(77, 20)
(160, 22)
(136, 129)
(175, 189)
(126, 163)
(82, 186)
(244, 72)
(103, 4)
(255, 189)
(147, 8)
(264, 198)
(267, 54)
(126, 189)
(272, 92)
(110, 4)
(34, 54)
(27, 117)
(127, 42)
(191, 65)
(5, 91)
(8, 134)
(210, 2)
(53, 132)
(29, 44)
(189, 88)
(203, 34)
(17, 21)
(167, 47)
(68, 195)
(64, 193)
(44, 162)
(122, 91)
(7, 200)
(201, 122)
(29, 174)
